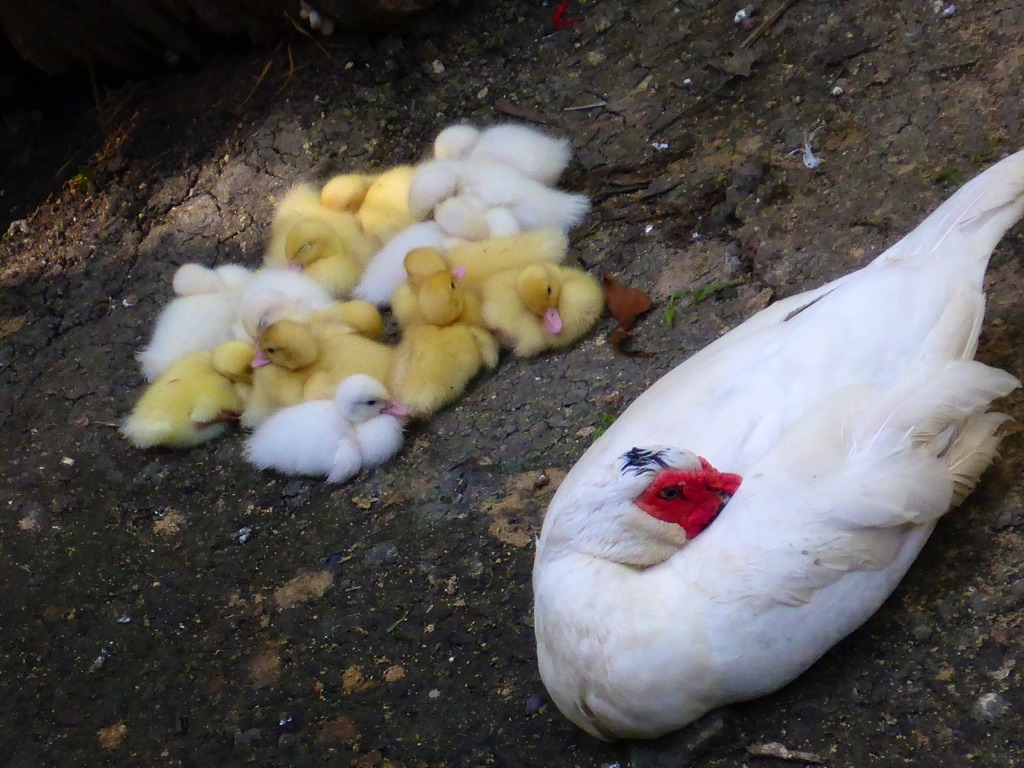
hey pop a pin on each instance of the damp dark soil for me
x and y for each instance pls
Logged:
(179, 608)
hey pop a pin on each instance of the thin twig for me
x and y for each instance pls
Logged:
(767, 24)
(595, 105)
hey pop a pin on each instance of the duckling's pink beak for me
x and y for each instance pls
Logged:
(260, 360)
(459, 273)
(396, 409)
(294, 267)
(553, 320)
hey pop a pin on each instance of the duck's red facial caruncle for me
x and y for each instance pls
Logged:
(691, 499)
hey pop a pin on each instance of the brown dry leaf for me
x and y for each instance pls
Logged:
(112, 736)
(619, 340)
(517, 515)
(340, 730)
(625, 303)
(305, 586)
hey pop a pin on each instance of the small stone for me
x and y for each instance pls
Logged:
(434, 694)
(990, 707)
(594, 58)
(437, 67)
(837, 91)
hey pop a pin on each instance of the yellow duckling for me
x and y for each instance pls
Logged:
(380, 201)
(300, 361)
(233, 360)
(193, 400)
(361, 316)
(541, 306)
(327, 245)
(438, 356)
(433, 293)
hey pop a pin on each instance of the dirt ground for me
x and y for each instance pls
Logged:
(179, 608)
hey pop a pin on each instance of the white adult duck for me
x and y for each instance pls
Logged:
(853, 417)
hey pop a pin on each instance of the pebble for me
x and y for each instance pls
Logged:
(990, 707)
(379, 555)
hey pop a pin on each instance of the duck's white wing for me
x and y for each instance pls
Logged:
(843, 487)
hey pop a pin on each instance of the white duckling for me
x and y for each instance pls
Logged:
(199, 318)
(360, 429)
(490, 192)
(855, 416)
(277, 294)
(531, 152)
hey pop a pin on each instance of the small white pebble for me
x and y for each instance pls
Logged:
(837, 90)
(434, 694)
(990, 706)
(659, 145)
(244, 534)
(741, 15)
(687, 81)
(437, 67)
(124, 620)
(948, 11)
(67, 461)
(648, 229)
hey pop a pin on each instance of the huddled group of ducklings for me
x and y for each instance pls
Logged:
(465, 248)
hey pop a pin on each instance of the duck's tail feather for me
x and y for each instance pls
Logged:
(971, 222)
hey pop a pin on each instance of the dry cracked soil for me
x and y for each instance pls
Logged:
(179, 608)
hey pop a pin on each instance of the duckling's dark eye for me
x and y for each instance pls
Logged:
(371, 402)
(549, 290)
(271, 350)
(671, 493)
(452, 285)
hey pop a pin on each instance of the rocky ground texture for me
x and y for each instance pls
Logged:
(182, 609)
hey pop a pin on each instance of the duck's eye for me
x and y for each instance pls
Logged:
(271, 350)
(549, 290)
(452, 286)
(371, 402)
(671, 493)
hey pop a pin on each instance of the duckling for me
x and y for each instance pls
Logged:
(434, 364)
(300, 361)
(277, 294)
(433, 294)
(541, 306)
(380, 201)
(488, 257)
(527, 150)
(361, 316)
(328, 245)
(192, 279)
(199, 318)
(189, 403)
(489, 185)
(233, 360)
(359, 429)
(443, 346)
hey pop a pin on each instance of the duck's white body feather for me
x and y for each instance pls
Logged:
(856, 416)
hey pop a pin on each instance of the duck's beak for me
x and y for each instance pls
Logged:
(553, 320)
(260, 360)
(294, 267)
(459, 273)
(396, 409)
